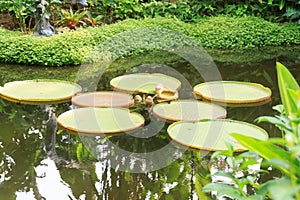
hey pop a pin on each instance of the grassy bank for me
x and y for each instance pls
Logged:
(216, 33)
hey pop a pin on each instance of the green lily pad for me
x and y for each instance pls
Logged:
(188, 110)
(212, 135)
(233, 92)
(41, 91)
(144, 83)
(100, 120)
(102, 99)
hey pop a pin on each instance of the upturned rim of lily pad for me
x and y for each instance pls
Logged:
(67, 121)
(163, 97)
(156, 110)
(259, 134)
(262, 98)
(103, 99)
(147, 85)
(239, 105)
(37, 97)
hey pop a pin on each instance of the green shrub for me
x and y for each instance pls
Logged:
(193, 10)
(71, 48)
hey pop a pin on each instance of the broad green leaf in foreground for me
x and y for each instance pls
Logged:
(287, 82)
(227, 190)
(279, 189)
(269, 151)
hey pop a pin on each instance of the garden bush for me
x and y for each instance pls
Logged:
(71, 48)
(194, 10)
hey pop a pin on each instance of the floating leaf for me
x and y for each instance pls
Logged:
(41, 91)
(144, 83)
(233, 92)
(102, 99)
(100, 120)
(213, 135)
(188, 110)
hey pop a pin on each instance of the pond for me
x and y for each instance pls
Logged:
(37, 164)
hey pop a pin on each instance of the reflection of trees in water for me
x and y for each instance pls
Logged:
(25, 143)
(177, 180)
(81, 174)
(20, 152)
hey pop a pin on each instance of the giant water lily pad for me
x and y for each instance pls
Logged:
(100, 120)
(41, 91)
(144, 83)
(212, 135)
(188, 110)
(102, 99)
(233, 92)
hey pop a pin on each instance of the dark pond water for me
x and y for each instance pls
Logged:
(36, 165)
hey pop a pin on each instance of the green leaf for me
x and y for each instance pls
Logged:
(279, 189)
(217, 154)
(79, 152)
(278, 141)
(32, 9)
(248, 154)
(281, 4)
(224, 189)
(268, 151)
(198, 188)
(224, 174)
(174, 172)
(230, 148)
(286, 81)
(277, 122)
(280, 163)
(230, 162)
(278, 108)
(246, 163)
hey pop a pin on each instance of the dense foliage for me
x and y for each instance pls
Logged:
(193, 10)
(23, 13)
(71, 48)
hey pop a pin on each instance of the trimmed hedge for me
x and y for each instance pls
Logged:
(71, 48)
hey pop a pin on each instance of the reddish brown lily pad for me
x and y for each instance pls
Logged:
(103, 99)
